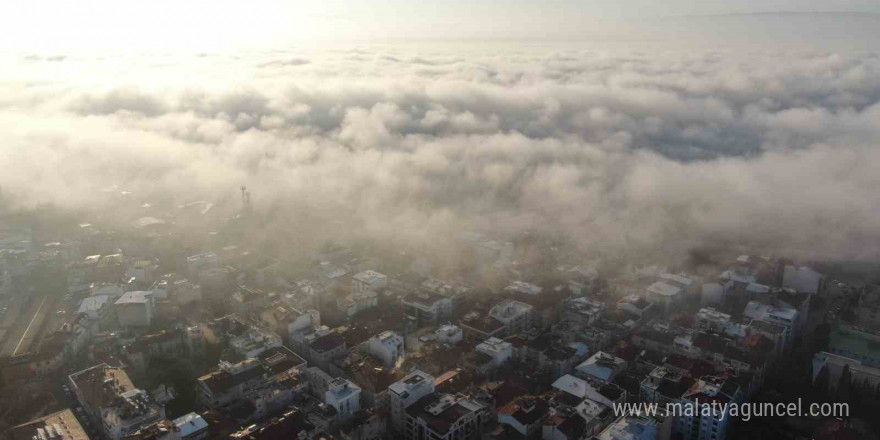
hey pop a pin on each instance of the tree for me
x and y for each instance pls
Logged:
(820, 384)
(844, 385)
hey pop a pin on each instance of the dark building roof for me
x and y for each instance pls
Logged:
(328, 342)
(710, 342)
(656, 336)
(280, 359)
(222, 381)
(527, 410)
(573, 426)
(486, 324)
(285, 427)
(440, 421)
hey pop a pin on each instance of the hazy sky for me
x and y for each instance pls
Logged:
(213, 25)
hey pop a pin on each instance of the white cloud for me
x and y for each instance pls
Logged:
(629, 150)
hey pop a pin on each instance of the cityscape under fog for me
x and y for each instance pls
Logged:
(440, 220)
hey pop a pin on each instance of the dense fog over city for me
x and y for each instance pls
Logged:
(440, 220)
(636, 147)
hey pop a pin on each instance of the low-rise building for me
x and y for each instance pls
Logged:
(189, 426)
(135, 309)
(856, 343)
(601, 366)
(96, 307)
(113, 402)
(865, 376)
(61, 425)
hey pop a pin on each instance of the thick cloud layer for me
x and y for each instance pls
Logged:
(648, 149)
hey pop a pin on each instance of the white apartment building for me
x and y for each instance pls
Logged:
(448, 334)
(344, 396)
(254, 341)
(500, 351)
(368, 280)
(301, 322)
(445, 417)
(402, 394)
(709, 318)
(665, 294)
(387, 347)
(516, 316)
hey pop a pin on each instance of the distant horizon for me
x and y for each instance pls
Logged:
(198, 24)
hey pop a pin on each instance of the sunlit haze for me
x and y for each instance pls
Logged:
(439, 219)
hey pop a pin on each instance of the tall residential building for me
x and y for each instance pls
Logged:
(404, 393)
(112, 401)
(705, 409)
(344, 396)
(441, 416)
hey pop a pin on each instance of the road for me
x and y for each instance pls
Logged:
(26, 326)
(27, 331)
